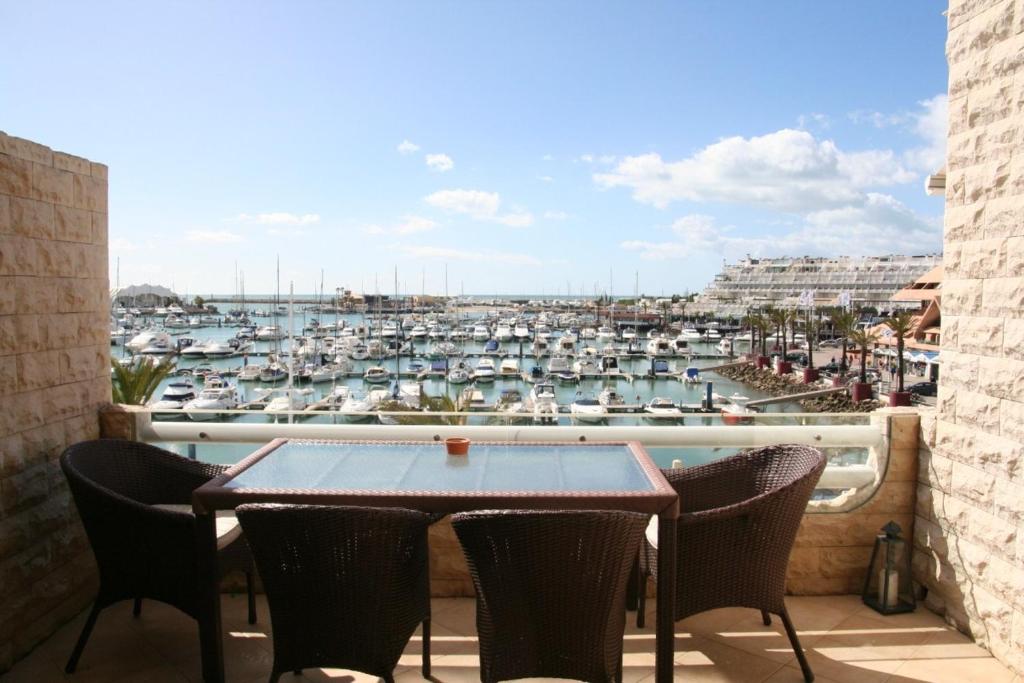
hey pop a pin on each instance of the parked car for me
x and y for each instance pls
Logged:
(829, 344)
(924, 389)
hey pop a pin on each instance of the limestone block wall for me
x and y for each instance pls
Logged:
(54, 376)
(971, 514)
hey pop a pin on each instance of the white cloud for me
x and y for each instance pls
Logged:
(598, 159)
(545, 179)
(406, 147)
(440, 162)
(409, 225)
(788, 170)
(930, 124)
(881, 225)
(483, 206)
(449, 254)
(814, 120)
(587, 158)
(555, 215)
(277, 218)
(212, 236)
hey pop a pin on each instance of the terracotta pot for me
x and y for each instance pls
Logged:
(837, 381)
(860, 391)
(783, 367)
(456, 445)
(762, 362)
(899, 398)
(810, 375)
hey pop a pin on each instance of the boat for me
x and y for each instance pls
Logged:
(359, 406)
(226, 349)
(660, 410)
(725, 346)
(174, 397)
(587, 409)
(195, 350)
(543, 403)
(273, 371)
(610, 365)
(659, 346)
(491, 346)
(471, 398)
(586, 365)
(521, 332)
(690, 334)
(269, 333)
(588, 333)
(327, 373)
(691, 375)
(503, 332)
(484, 370)
(176, 309)
(540, 346)
(510, 401)
(736, 412)
(249, 373)
(712, 334)
(681, 346)
(359, 351)
(194, 322)
(418, 331)
(174, 322)
(147, 338)
(209, 319)
(566, 344)
(290, 399)
(610, 398)
(333, 400)
(481, 332)
(605, 335)
(509, 367)
(536, 374)
(660, 368)
(443, 349)
(376, 374)
(628, 334)
(460, 373)
(216, 395)
(159, 347)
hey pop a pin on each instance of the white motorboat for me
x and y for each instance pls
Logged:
(359, 351)
(736, 411)
(359, 407)
(209, 319)
(249, 373)
(610, 398)
(541, 331)
(484, 370)
(605, 335)
(326, 373)
(510, 401)
(659, 346)
(460, 373)
(273, 372)
(176, 309)
(509, 367)
(521, 332)
(543, 403)
(159, 347)
(661, 410)
(376, 374)
(503, 332)
(558, 364)
(174, 322)
(418, 331)
(689, 334)
(540, 346)
(147, 338)
(628, 334)
(174, 397)
(389, 330)
(216, 395)
(194, 322)
(586, 365)
(587, 409)
(289, 399)
(725, 346)
(333, 400)
(481, 332)
(269, 333)
(566, 344)
(712, 334)
(195, 350)
(226, 349)
(588, 333)
(681, 345)
(610, 365)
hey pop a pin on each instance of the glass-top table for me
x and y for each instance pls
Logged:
(420, 475)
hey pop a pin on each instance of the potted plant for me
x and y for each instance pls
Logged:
(135, 384)
(901, 324)
(762, 325)
(862, 339)
(781, 318)
(843, 323)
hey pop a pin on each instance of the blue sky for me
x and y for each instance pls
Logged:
(527, 146)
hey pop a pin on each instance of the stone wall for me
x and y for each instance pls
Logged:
(970, 517)
(54, 375)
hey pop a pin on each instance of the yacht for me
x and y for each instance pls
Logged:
(147, 338)
(273, 372)
(249, 373)
(418, 331)
(689, 334)
(359, 407)
(681, 346)
(725, 346)
(712, 334)
(586, 365)
(226, 349)
(521, 332)
(509, 367)
(328, 373)
(566, 344)
(459, 373)
(175, 396)
(481, 332)
(605, 335)
(334, 400)
(359, 351)
(503, 332)
(659, 347)
(736, 411)
(610, 398)
(376, 374)
(491, 346)
(159, 347)
(194, 322)
(290, 399)
(540, 347)
(195, 350)
(662, 409)
(543, 403)
(587, 409)
(437, 333)
(216, 395)
(209, 319)
(175, 309)
(628, 334)
(541, 331)
(610, 365)
(510, 401)
(174, 322)
(588, 333)
(269, 333)
(484, 370)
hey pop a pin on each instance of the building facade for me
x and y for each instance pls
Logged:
(780, 282)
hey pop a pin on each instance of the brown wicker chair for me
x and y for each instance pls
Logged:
(739, 517)
(346, 586)
(551, 590)
(135, 504)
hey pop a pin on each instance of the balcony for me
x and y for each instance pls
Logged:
(845, 641)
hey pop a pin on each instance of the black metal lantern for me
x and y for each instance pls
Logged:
(888, 587)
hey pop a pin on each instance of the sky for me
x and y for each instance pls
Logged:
(521, 147)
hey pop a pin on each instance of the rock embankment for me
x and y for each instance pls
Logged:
(783, 385)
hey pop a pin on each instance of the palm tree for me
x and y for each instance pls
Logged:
(135, 384)
(843, 323)
(763, 326)
(748, 322)
(862, 339)
(780, 317)
(901, 324)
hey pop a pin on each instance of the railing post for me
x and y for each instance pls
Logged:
(191, 451)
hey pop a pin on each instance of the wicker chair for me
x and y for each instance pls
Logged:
(551, 590)
(346, 586)
(739, 517)
(135, 504)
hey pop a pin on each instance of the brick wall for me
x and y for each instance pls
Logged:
(970, 517)
(54, 375)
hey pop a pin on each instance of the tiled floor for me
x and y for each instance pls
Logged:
(845, 641)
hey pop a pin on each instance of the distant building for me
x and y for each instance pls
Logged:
(780, 282)
(921, 346)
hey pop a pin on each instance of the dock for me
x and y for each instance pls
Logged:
(795, 397)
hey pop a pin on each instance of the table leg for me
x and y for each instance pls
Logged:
(666, 624)
(210, 636)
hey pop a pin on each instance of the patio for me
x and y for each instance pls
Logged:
(846, 641)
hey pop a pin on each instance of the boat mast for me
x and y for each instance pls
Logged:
(291, 348)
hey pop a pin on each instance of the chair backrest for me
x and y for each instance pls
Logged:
(550, 589)
(740, 558)
(346, 586)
